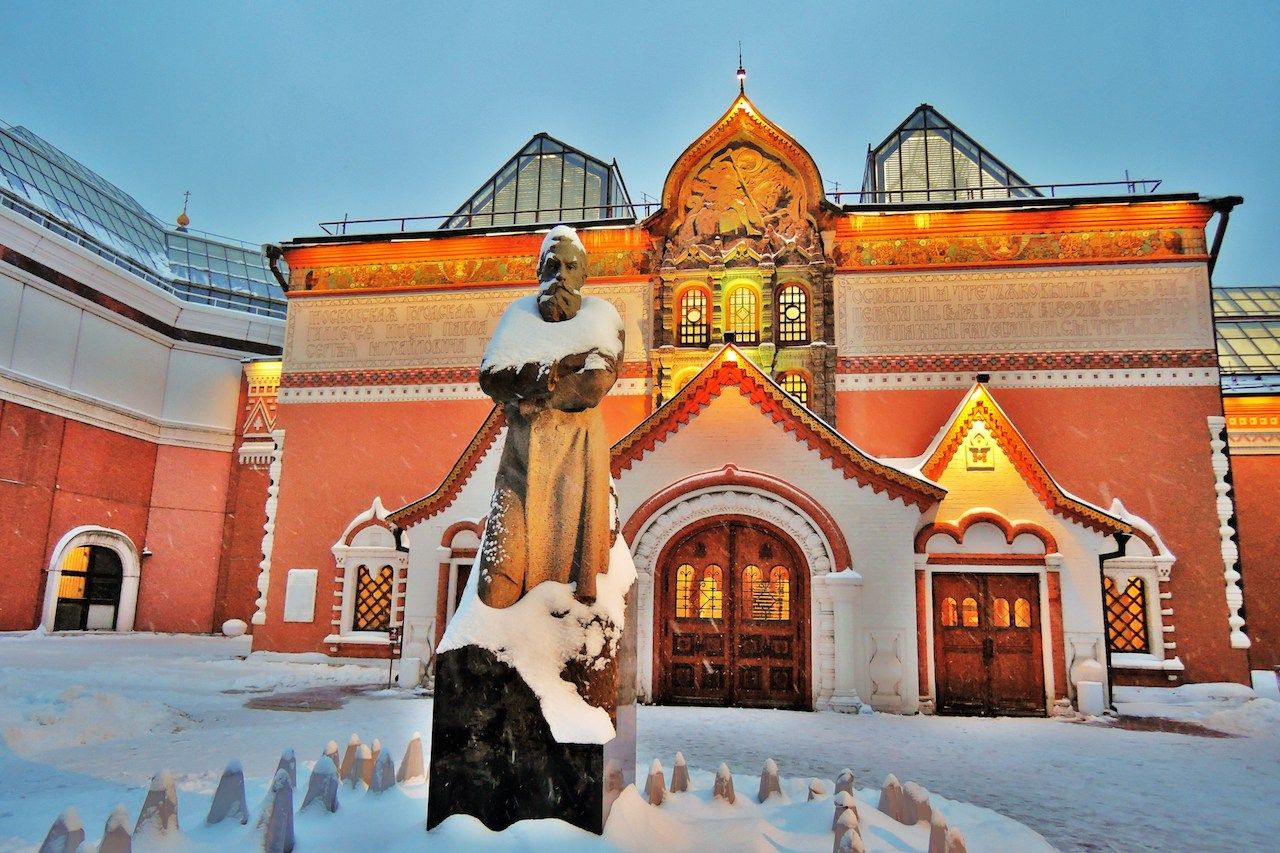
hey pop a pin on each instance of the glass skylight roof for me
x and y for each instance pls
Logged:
(547, 181)
(1247, 320)
(927, 158)
(59, 193)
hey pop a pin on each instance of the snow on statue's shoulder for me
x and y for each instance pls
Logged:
(523, 337)
(544, 632)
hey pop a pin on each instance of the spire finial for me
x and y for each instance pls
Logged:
(183, 219)
(742, 72)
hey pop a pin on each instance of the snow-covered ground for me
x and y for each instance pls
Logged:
(87, 720)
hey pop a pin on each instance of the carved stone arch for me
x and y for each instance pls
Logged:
(102, 537)
(683, 510)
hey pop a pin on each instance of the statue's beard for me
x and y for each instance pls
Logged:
(559, 302)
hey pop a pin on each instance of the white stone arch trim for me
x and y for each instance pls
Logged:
(347, 560)
(104, 537)
(713, 502)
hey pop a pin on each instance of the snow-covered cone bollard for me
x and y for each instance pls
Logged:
(851, 842)
(817, 789)
(412, 770)
(915, 804)
(349, 758)
(374, 752)
(322, 788)
(228, 799)
(891, 798)
(368, 762)
(159, 815)
(331, 752)
(955, 841)
(844, 781)
(274, 828)
(655, 787)
(846, 825)
(724, 785)
(116, 837)
(769, 782)
(383, 776)
(65, 835)
(362, 768)
(937, 833)
(680, 775)
(289, 764)
(844, 802)
(535, 675)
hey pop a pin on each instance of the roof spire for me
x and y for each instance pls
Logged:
(742, 72)
(183, 219)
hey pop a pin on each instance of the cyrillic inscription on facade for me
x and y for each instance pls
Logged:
(1023, 311)
(424, 330)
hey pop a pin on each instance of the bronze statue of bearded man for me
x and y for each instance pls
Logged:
(550, 362)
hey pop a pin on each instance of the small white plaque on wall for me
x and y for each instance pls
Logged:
(300, 596)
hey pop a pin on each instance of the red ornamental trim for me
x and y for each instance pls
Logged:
(1010, 530)
(415, 376)
(768, 399)
(971, 362)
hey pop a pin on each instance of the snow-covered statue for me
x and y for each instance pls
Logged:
(552, 359)
(534, 713)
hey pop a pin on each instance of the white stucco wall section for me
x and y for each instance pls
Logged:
(63, 354)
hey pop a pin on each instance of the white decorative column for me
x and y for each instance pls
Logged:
(1230, 553)
(269, 528)
(844, 590)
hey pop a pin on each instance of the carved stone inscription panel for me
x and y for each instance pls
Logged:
(426, 329)
(1068, 310)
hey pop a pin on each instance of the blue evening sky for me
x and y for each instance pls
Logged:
(279, 115)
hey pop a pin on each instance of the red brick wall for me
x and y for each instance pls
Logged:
(1257, 493)
(57, 474)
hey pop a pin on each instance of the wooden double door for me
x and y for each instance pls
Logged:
(734, 618)
(987, 646)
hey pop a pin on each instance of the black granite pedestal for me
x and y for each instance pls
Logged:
(493, 755)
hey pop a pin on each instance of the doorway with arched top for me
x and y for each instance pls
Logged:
(733, 617)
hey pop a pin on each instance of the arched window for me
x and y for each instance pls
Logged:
(780, 589)
(752, 582)
(950, 614)
(684, 591)
(1000, 613)
(744, 315)
(793, 315)
(1022, 613)
(711, 594)
(694, 318)
(1126, 611)
(969, 613)
(373, 598)
(796, 384)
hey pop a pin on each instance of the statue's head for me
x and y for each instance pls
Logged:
(562, 271)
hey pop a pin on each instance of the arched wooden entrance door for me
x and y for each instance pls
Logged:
(89, 590)
(734, 617)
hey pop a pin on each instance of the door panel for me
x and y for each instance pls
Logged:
(987, 648)
(734, 619)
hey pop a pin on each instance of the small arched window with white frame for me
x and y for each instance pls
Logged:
(370, 575)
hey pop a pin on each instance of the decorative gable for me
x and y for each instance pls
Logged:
(980, 438)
